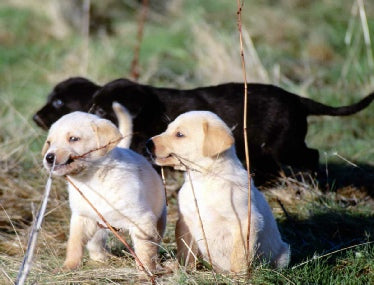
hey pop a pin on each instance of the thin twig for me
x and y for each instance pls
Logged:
(199, 215)
(346, 160)
(86, 33)
(351, 24)
(27, 260)
(239, 13)
(365, 30)
(7, 276)
(199, 168)
(331, 253)
(164, 184)
(13, 227)
(280, 274)
(190, 251)
(141, 21)
(201, 222)
(114, 231)
(98, 148)
(285, 211)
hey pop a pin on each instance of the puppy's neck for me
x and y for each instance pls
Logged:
(222, 163)
(92, 168)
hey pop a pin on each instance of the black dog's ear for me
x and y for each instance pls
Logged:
(127, 82)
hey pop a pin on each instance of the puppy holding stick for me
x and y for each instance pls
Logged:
(121, 184)
(201, 143)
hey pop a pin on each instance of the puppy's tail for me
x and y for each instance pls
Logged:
(315, 108)
(124, 124)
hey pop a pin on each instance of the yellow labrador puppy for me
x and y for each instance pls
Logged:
(199, 141)
(121, 184)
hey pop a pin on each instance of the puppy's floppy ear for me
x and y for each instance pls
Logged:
(45, 147)
(217, 139)
(107, 135)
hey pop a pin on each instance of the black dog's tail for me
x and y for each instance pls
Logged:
(315, 108)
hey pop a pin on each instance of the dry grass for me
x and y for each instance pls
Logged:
(289, 199)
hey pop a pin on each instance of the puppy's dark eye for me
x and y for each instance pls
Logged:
(100, 112)
(73, 139)
(57, 103)
(179, 135)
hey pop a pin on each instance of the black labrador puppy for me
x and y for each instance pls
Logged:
(73, 94)
(276, 124)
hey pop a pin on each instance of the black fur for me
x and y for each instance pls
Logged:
(277, 119)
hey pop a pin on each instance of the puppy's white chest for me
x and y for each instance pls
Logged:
(222, 209)
(217, 202)
(187, 203)
(101, 200)
(112, 204)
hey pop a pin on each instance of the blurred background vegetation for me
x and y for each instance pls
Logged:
(313, 48)
(319, 49)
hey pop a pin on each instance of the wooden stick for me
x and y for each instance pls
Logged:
(86, 34)
(239, 13)
(200, 222)
(141, 21)
(97, 148)
(164, 184)
(27, 260)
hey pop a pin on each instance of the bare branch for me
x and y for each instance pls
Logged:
(200, 222)
(239, 14)
(141, 21)
(27, 260)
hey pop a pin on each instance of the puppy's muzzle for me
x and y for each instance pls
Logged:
(50, 158)
(150, 147)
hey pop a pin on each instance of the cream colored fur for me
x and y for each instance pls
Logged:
(202, 142)
(124, 124)
(120, 183)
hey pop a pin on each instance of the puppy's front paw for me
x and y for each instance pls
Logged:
(70, 264)
(170, 266)
(98, 256)
(146, 267)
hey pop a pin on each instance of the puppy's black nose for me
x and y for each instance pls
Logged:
(39, 121)
(36, 118)
(150, 146)
(50, 158)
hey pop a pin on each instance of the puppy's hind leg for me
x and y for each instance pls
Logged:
(96, 246)
(161, 223)
(82, 229)
(238, 256)
(146, 241)
(187, 250)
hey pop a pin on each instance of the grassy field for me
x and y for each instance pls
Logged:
(318, 49)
